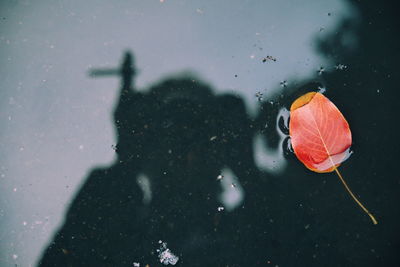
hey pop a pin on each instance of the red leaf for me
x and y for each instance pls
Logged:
(321, 136)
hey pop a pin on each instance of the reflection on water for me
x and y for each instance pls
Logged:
(167, 189)
(271, 159)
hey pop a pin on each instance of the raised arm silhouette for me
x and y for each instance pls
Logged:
(178, 136)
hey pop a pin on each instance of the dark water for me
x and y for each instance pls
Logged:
(181, 135)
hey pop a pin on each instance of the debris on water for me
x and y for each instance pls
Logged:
(321, 89)
(213, 138)
(321, 70)
(268, 58)
(259, 96)
(165, 255)
(283, 83)
(340, 67)
(220, 208)
(220, 177)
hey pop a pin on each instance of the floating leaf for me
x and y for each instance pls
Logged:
(321, 136)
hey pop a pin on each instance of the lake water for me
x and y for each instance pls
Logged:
(155, 132)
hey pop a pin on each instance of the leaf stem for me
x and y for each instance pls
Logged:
(354, 197)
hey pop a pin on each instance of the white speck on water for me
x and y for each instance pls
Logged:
(213, 138)
(233, 185)
(81, 147)
(24, 223)
(378, 91)
(220, 208)
(199, 10)
(136, 264)
(220, 177)
(15, 189)
(307, 226)
(165, 255)
(15, 256)
(252, 56)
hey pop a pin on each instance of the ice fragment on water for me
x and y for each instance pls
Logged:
(165, 255)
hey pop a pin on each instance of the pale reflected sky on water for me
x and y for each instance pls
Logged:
(56, 121)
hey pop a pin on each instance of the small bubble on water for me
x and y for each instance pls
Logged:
(220, 208)
(15, 256)
(284, 83)
(220, 177)
(321, 70)
(340, 67)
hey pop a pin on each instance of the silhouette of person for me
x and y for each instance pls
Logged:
(180, 135)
